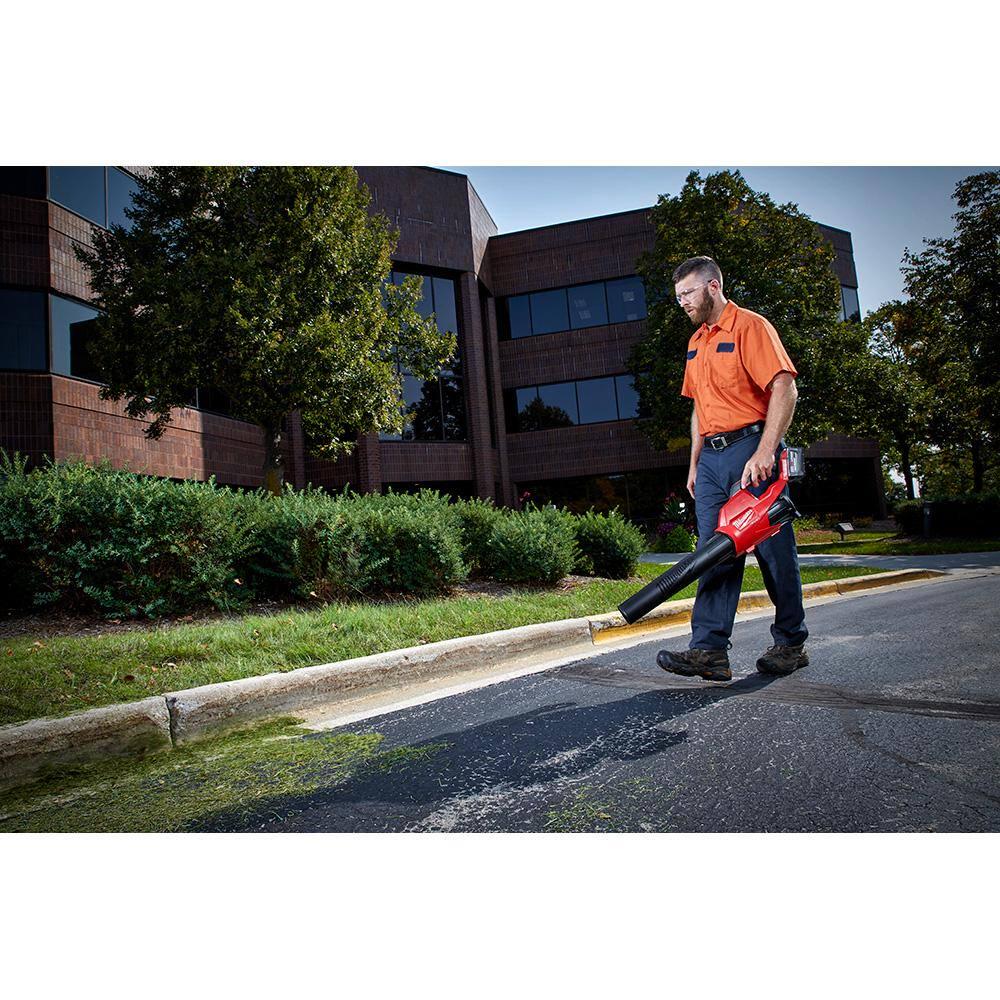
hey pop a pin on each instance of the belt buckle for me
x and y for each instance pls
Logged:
(717, 438)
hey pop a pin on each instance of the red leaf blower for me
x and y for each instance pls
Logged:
(744, 521)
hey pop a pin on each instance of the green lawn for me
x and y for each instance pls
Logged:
(55, 676)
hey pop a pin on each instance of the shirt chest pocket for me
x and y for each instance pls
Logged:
(724, 363)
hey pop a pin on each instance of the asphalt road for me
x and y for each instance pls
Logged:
(894, 726)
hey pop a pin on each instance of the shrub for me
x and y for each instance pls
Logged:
(609, 545)
(124, 544)
(968, 516)
(476, 519)
(678, 539)
(531, 546)
(379, 547)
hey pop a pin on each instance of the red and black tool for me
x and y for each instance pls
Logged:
(744, 522)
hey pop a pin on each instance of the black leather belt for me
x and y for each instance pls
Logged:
(719, 441)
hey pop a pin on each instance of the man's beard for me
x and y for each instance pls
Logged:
(703, 309)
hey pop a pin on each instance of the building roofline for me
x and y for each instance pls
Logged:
(572, 222)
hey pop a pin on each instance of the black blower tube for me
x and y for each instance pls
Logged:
(718, 549)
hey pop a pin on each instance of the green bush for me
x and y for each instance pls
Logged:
(677, 539)
(807, 524)
(127, 545)
(476, 519)
(609, 545)
(377, 547)
(533, 546)
(969, 516)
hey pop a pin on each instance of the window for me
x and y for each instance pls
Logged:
(560, 400)
(22, 330)
(435, 407)
(626, 300)
(574, 308)
(518, 316)
(587, 306)
(597, 400)
(850, 307)
(81, 190)
(548, 312)
(72, 332)
(100, 194)
(563, 404)
(121, 189)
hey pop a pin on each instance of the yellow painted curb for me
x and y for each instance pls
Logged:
(605, 628)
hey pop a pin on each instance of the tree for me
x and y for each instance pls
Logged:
(775, 261)
(269, 283)
(894, 401)
(958, 279)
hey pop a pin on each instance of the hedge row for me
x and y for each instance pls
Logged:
(128, 545)
(970, 516)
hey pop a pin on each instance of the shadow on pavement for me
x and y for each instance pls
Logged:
(533, 748)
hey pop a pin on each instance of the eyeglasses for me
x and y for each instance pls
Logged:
(688, 292)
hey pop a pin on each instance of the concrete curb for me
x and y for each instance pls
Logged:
(29, 749)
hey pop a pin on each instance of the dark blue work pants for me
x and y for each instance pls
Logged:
(719, 588)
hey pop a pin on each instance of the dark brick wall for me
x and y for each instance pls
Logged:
(194, 446)
(568, 254)
(26, 414)
(431, 209)
(66, 230)
(575, 354)
(24, 242)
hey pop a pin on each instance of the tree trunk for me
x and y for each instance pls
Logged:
(904, 461)
(274, 461)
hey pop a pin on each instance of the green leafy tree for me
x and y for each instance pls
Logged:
(775, 261)
(892, 399)
(958, 279)
(268, 283)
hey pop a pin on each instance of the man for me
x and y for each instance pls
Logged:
(743, 386)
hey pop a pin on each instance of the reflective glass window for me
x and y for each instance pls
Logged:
(519, 316)
(597, 400)
(560, 399)
(587, 306)
(851, 306)
(444, 304)
(121, 188)
(548, 312)
(453, 404)
(81, 190)
(628, 398)
(626, 300)
(72, 332)
(22, 330)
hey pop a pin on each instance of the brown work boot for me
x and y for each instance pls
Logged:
(712, 664)
(781, 660)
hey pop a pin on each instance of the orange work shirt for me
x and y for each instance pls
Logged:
(730, 367)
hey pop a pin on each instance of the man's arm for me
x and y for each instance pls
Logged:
(780, 409)
(696, 445)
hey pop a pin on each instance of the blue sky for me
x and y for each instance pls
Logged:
(885, 208)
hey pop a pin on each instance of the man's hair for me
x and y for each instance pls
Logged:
(704, 267)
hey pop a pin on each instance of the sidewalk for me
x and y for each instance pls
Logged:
(953, 560)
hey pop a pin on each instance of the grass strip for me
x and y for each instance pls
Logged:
(58, 675)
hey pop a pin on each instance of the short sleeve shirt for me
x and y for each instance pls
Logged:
(730, 367)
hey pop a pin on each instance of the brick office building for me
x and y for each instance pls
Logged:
(538, 399)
